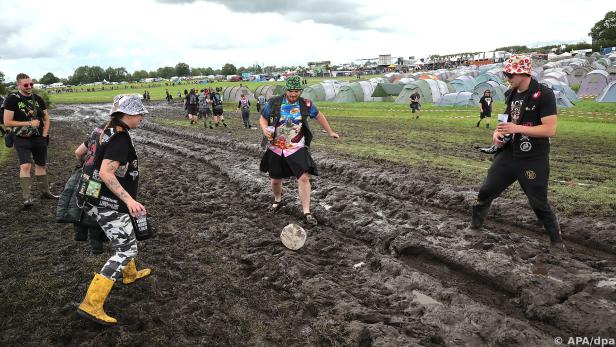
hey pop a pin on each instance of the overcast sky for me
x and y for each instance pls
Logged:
(40, 36)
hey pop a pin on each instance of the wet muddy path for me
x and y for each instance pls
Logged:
(390, 263)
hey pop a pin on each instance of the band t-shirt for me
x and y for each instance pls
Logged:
(26, 108)
(486, 104)
(120, 149)
(540, 104)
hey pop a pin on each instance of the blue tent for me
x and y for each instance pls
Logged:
(608, 94)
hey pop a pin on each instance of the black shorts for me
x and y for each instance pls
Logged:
(294, 165)
(35, 146)
(483, 115)
(218, 110)
(205, 112)
(191, 110)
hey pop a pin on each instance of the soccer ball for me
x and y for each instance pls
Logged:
(293, 236)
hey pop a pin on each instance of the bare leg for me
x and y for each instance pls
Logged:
(277, 189)
(303, 185)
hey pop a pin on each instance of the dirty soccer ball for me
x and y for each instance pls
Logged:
(293, 236)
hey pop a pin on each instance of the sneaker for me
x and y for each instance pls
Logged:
(28, 203)
(489, 150)
(309, 219)
(276, 205)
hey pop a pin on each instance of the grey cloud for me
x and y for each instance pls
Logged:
(342, 13)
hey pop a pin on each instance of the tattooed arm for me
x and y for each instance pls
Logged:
(107, 173)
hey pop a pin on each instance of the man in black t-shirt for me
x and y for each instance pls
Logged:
(525, 158)
(485, 108)
(26, 113)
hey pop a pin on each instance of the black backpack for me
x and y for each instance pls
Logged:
(216, 99)
(1, 110)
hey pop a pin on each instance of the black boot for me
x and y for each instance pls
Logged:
(480, 212)
(478, 124)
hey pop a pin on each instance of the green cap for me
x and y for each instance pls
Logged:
(294, 83)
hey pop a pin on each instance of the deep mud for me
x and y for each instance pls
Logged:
(390, 264)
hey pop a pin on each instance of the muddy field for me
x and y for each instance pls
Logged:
(391, 262)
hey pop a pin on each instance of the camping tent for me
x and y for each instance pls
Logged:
(266, 91)
(593, 83)
(497, 89)
(608, 94)
(458, 99)
(429, 90)
(558, 75)
(324, 91)
(234, 93)
(387, 89)
(464, 84)
(561, 87)
(562, 100)
(357, 92)
(484, 77)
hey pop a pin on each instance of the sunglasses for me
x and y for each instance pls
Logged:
(508, 75)
(26, 85)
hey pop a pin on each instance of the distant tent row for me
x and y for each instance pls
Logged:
(234, 93)
(358, 92)
(324, 91)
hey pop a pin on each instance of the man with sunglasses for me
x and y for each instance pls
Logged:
(531, 107)
(27, 114)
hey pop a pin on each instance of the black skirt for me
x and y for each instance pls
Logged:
(294, 165)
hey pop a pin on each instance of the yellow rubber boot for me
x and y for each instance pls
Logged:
(92, 305)
(130, 273)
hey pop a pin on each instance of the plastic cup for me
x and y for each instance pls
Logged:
(503, 118)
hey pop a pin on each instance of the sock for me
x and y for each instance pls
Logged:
(42, 183)
(26, 186)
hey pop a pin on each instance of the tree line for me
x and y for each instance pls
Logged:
(90, 74)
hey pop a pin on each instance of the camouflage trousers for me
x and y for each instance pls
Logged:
(119, 230)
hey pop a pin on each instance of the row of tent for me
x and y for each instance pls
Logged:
(461, 86)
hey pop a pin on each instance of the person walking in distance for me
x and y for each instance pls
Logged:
(415, 105)
(485, 108)
(244, 106)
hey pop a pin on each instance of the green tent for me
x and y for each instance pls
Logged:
(387, 89)
(420, 86)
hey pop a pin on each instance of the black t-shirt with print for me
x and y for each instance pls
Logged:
(539, 104)
(486, 104)
(26, 108)
(120, 148)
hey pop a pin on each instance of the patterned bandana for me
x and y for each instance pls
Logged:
(518, 64)
(294, 83)
(129, 104)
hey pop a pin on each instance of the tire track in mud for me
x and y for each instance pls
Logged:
(398, 232)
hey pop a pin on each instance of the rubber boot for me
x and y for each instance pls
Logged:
(26, 191)
(478, 124)
(480, 212)
(556, 240)
(43, 186)
(488, 126)
(130, 273)
(92, 305)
